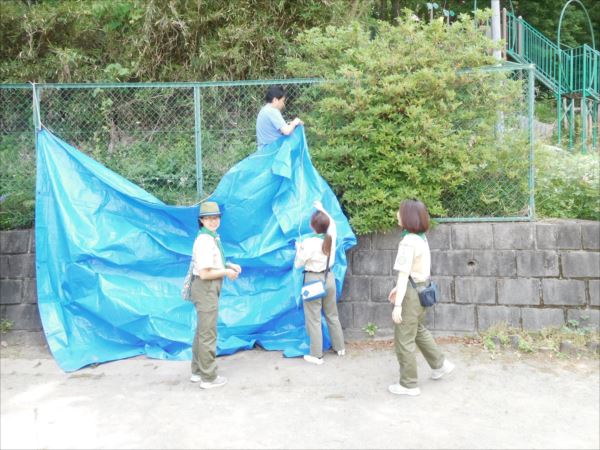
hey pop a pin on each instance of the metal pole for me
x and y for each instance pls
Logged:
(504, 34)
(496, 35)
(198, 140)
(531, 113)
(584, 115)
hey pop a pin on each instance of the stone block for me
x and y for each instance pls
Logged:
(356, 288)
(451, 262)
(446, 285)
(514, 236)
(363, 314)
(537, 318)
(10, 292)
(590, 235)
(493, 263)
(454, 317)
(349, 262)
(540, 263)
(560, 235)
(386, 241)
(438, 237)
(32, 241)
(18, 266)
(29, 290)
(488, 316)
(23, 317)
(3, 266)
(381, 287)
(518, 291)
(563, 292)
(589, 318)
(475, 290)
(14, 241)
(345, 314)
(472, 236)
(363, 242)
(372, 263)
(429, 321)
(382, 315)
(594, 291)
(580, 264)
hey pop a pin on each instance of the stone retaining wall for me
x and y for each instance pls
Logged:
(530, 275)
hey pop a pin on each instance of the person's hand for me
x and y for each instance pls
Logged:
(318, 205)
(235, 267)
(231, 274)
(297, 122)
(392, 296)
(397, 314)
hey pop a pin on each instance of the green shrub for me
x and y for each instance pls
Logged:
(567, 184)
(405, 121)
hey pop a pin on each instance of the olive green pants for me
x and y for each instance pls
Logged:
(411, 333)
(205, 296)
(312, 317)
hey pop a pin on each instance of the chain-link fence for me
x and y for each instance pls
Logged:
(176, 140)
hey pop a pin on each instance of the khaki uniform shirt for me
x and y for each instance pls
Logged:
(414, 258)
(206, 254)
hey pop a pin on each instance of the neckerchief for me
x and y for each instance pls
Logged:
(215, 236)
(406, 233)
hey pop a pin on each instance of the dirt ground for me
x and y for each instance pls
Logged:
(272, 402)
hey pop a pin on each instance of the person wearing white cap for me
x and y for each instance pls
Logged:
(209, 269)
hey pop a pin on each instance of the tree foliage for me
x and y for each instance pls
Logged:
(156, 40)
(405, 121)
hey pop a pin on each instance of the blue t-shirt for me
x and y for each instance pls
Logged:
(268, 123)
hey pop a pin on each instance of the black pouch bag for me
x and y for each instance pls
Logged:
(428, 296)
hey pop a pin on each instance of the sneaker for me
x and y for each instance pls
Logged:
(217, 382)
(446, 368)
(313, 360)
(341, 352)
(401, 390)
(195, 378)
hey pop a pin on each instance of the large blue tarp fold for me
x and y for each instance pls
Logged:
(111, 257)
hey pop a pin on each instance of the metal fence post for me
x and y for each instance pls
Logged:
(531, 112)
(198, 140)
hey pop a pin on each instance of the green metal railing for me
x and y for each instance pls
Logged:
(176, 140)
(571, 74)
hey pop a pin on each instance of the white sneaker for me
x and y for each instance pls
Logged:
(341, 352)
(195, 378)
(401, 390)
(313, 360)
(446, 368)
(217, 382)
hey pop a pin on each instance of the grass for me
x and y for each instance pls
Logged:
(502, 337)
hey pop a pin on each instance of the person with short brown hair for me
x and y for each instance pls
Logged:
(413, 260)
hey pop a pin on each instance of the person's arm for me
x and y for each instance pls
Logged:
(332, 229)
(216, 274)
(287, 129)
(234, 266)
(403, 264)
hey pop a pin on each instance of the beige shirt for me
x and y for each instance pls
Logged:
(414, 258)
(310, 251)
(206, 254)
(310, 255)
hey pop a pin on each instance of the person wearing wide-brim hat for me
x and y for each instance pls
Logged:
(209, 267)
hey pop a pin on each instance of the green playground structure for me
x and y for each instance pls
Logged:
(572, 74)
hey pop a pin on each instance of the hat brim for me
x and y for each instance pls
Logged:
(210, 214)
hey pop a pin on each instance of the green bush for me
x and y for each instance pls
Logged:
(567, 184)
(405, 121)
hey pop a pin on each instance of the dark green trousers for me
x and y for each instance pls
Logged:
(205, 296)
(410, 334)
(312, 317)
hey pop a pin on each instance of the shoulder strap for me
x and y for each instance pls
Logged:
(412, 282)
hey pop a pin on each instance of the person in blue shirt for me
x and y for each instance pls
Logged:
(270, 124)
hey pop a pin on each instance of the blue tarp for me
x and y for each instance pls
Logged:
(111, 257)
